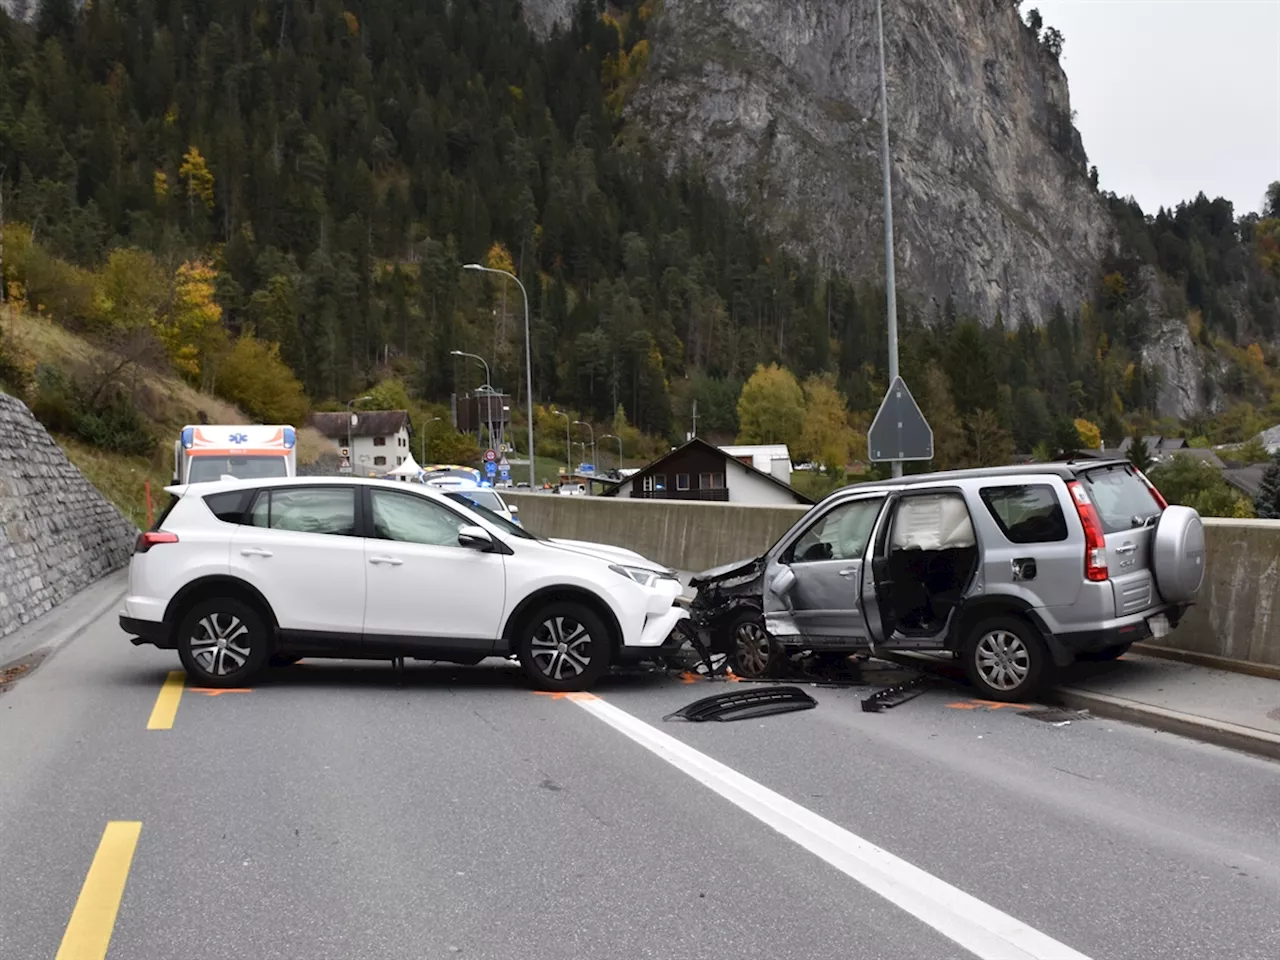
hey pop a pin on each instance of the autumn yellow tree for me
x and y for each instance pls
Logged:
(826, 436)
(199, 181)
(253, 377)
(132, 288)
(770, 407)
(191, 325)
(499, 258)
(1090, 435)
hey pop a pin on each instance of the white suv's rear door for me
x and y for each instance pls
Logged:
(425, 590)
(300, 550)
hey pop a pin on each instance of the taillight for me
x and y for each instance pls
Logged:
(1156, 495)
(151, 538)
(1095, 541)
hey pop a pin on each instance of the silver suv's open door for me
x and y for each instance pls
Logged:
(813, 580)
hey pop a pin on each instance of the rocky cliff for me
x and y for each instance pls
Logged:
(992, 201)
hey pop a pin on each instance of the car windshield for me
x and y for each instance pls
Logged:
(484, 498)
(1122, 499)
(497, 519)
(204, 469)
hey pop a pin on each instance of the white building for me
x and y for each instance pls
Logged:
(700, 471)
(378, 440)
(771, 458)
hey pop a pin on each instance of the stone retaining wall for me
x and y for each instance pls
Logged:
(58, 534)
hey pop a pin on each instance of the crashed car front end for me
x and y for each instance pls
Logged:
(723, 593)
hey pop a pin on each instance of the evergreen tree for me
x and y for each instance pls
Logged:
(1267, 503)
(1139, 454)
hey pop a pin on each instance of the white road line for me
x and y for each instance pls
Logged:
(978, 927)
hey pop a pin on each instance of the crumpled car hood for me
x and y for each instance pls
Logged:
(739, 568)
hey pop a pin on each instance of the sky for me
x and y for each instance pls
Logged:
(1174, 97)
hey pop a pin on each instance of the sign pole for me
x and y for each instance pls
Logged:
(891, 296)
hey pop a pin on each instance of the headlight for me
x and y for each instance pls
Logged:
(642, 575)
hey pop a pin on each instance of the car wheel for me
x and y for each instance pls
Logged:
(564, 646)
(1006, 659)
(1113, 652)
(753, 654)
(223, 642)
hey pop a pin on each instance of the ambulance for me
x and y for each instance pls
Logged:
(247, 452)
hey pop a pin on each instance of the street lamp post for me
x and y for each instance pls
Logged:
(351, 415)
(485, 388)
(528, 353)
(593, 441)
(488, 382)
(614, 436)
(568, 441)
(891, 305)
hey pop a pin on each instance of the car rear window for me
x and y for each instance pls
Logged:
(230, 507)
(1121, 498)
(1027, 513)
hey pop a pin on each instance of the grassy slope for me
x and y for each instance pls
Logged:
(165, 401)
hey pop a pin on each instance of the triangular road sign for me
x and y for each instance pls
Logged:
(899, 431)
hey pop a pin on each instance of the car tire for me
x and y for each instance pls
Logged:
(1007, 660)
(1114, 652)
(564, 646)
(223, 642)
(753, 653)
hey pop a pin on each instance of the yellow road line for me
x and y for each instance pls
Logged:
(166, 707)
(89, 932)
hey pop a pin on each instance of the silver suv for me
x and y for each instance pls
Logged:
(1016, 570)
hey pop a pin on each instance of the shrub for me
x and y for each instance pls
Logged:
(112, 424)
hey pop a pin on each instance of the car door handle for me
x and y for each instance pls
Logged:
(255, 552)
(390, 561)
(1126, 548)
(847, 572)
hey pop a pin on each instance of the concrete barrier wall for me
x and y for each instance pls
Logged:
(687, 536)
(1237, 616)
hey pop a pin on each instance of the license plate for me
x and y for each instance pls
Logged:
(1159, 625)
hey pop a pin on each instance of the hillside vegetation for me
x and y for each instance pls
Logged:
(272, 202)
(119, 455)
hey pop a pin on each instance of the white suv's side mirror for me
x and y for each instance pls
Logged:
(512, 509)
(477, 538)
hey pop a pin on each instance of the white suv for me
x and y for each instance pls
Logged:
(239, 573)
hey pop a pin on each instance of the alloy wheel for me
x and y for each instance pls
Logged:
(751, 648)
(1002, 659)
(220, 644)
(561, 648)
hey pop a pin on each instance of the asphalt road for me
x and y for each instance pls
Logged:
(335, 814)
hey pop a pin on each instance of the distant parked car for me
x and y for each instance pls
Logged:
(236, 574)
(1016, 570)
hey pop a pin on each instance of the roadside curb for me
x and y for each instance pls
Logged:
(66, 621)
(1246, 739)
(1264, 670)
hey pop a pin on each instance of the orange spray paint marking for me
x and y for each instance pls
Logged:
(986, 704)
(218, 691)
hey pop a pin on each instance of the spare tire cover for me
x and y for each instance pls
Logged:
(1177, 554)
